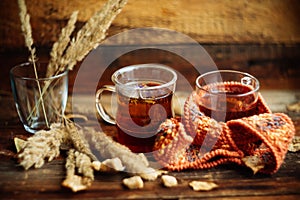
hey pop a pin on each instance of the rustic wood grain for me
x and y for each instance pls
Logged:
(276, 66)
(234, 182)
(205, 21)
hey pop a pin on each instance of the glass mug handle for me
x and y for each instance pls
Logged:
(105, 116)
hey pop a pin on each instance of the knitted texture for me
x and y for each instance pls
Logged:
(200, 142)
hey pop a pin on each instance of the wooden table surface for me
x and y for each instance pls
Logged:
(234, 182)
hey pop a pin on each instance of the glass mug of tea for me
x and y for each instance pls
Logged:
(227, 94)
(144, 95)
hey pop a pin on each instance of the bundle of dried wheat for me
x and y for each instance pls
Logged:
(65, 53)
(43, 145)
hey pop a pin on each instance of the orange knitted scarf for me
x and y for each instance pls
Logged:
(198, 142)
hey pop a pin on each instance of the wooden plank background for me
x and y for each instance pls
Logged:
(259, 37)
(219, 21)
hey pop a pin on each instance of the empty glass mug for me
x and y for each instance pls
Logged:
(39, 101)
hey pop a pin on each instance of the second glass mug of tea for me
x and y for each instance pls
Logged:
(227, 94)
(144, 95)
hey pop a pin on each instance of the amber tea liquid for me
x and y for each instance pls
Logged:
(139, 116)
(231, 105)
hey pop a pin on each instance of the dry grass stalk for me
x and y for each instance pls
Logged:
(27, 32)
(91, 34)
(26, 29)
(81, 178)
(61, 44)
(84, 166)
(108, 148)
(78, 140)
(43, 145)
(72, 180)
